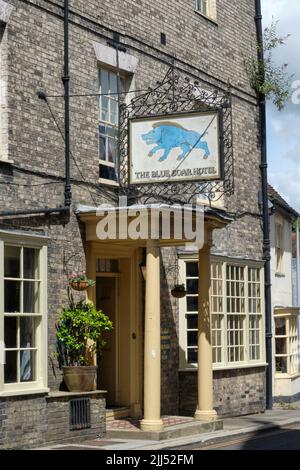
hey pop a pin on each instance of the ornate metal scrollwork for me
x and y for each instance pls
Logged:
(177, 93)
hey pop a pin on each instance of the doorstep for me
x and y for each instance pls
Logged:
(116, 412)
(174, 427)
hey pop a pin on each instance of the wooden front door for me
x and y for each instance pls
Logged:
(106, 300)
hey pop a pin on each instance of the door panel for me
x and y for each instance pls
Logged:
(106, 300)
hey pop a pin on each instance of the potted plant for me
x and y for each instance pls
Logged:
(79, 335)
(179, 291)
(79, 281)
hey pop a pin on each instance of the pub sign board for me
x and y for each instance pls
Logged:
(174, 148)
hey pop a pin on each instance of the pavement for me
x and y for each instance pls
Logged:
(281, 416)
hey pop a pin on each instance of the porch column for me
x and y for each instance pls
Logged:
(152, 420)
(205, 409)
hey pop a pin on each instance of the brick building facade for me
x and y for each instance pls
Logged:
(207, 48)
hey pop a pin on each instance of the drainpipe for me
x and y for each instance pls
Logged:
(266, 219)
(298, 262)
(298, 282)
(66, 82)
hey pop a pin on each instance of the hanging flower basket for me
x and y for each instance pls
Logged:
(80, 286)
(179, 291)
(80, 282)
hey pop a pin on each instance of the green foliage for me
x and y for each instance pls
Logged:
(265, 76)
(76, 325)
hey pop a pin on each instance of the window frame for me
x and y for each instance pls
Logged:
(123, 86)
(41, 383)
(211, 7)
(290, 315)
(225, 364)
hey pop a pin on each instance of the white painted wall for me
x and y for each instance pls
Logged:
(281, 282)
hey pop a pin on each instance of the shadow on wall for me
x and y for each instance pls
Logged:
(169, 337)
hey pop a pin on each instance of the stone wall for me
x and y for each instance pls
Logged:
(236, 391)
(33, 420)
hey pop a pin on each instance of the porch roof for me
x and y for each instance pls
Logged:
(214, 218)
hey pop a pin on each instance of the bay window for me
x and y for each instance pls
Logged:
(23, 328)
(286, 341)
(236, 305)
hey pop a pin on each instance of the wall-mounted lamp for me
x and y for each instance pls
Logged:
(143, 270)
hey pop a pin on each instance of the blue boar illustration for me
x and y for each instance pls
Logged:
(169, 135)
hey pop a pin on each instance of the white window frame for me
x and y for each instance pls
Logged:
(206, 8)
(290, 315)
(225, 364)
(125, 85)
(41, 383)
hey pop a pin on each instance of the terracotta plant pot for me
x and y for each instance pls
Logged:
(82, 285)
(80, 378)
(178, 293)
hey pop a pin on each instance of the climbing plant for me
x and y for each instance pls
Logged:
(266, 77)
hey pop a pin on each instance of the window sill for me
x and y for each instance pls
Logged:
(6, 160)
(208, 18)
(279, 376)
(17, 393)
(108, 182)
(229, 367)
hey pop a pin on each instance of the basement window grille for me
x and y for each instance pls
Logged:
(80, 414)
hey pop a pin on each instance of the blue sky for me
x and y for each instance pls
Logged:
(284, 126)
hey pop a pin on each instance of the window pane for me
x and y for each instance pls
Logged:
(192, 338)
(12, 257)
(31, 297)
(31, 263)
(280, 344)
(192, 322)
(102, 142)
(192, 304)
(12, 296)
(192, 286)
(281, 364)
(112, 131)
(113, 82)
(27, 332)
(104, 109)
(114, 112)
(10, 332)
(192, 269)
(192, 355)
(104, 81)
(112, 150)
(10, 368)
(107, 172)
(27, 366)
(280, 326)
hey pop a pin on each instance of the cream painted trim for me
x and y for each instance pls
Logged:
(107, 182)
(41, 381)
(228, 259)
(232, 367)
(29, 391)
(286, 376)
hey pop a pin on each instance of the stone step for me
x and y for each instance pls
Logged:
(191, 428)
(116, 413)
